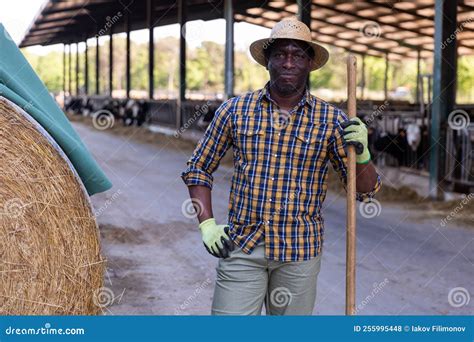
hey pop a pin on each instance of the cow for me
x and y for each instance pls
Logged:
(135, 112)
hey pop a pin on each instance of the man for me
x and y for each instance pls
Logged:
(282, 138)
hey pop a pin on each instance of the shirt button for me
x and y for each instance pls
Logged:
(270, 200)
(273, 178)
(276, 155)
(279, 134)
(268, 221)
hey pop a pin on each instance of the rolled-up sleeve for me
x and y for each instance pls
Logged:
(338, 155)
(210, 149)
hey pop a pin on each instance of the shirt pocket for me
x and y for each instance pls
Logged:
(249, 142)
(311, 145)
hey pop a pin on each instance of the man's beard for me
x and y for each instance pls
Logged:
(286, 89)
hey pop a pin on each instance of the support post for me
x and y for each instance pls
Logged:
(182, 15)
(385, 80)
(362, 83)
(64, 69)
(304, 11)
(111, 63)
(229, 48)
(444, 91)
(151, 48)
(97, 66)
(127, 55)
(304, 15)
(418, 73)
(86, 68)
(69, 86)
(77, 69)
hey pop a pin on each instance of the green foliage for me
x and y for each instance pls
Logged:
(49, 68)
(465, 79)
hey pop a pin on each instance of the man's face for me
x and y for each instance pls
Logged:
(289, 65)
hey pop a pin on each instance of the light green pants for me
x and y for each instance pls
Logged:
(244, 282)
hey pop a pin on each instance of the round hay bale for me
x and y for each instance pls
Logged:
(50, 257)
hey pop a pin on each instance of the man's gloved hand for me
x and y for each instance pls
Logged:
(355, 133)
(216, 238)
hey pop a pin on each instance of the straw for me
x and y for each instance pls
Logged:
(50, 255)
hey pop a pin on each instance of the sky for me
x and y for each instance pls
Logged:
(17, 15)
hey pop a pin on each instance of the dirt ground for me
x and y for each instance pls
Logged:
(408, 262)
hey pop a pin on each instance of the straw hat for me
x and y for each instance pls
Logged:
(289, 28)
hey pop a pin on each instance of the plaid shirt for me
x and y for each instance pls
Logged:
(280, 168)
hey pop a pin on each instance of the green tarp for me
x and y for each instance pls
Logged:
(20, 84)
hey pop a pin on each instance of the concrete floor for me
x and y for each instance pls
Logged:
(158, 265)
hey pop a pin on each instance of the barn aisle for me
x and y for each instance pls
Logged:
(157, 264)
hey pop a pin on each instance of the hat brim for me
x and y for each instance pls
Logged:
(321, 55)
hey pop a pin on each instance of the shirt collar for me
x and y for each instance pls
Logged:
(265, 93)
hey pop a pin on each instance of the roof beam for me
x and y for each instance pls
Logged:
(406, 11)
(72, 5)
(60, 16)
(48, 26)
(413, 47)
(355, 15)
(370, 47)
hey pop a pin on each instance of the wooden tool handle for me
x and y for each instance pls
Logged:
(351, 192)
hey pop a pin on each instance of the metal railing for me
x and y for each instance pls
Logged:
(459, 155)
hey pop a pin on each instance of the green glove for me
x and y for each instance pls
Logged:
(216, 238)
(355, 133)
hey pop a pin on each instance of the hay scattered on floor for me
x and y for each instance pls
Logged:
(50, 256)
(139, 134)
(459, 211)
(422, 208)
(387, 193)
(114, 234)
